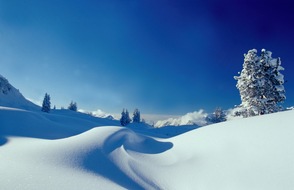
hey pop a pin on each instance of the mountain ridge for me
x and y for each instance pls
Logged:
(12, 97)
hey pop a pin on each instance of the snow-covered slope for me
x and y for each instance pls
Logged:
(11, 97)
(53, 125)
(254, 153)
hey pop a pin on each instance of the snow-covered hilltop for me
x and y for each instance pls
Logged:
(11, 97)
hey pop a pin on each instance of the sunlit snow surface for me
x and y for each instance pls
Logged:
(61, 151)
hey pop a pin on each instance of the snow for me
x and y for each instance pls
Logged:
(279, 88)
(280, 77)
(11, 97)
(64, 150)
(16, 100)
(68, 150)
(99, 113)
(193, 118)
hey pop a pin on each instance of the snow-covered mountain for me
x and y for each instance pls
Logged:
(252, 153)
(11, 97)
(193, 118)
(102, 114)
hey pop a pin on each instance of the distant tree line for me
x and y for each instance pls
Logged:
(46, 105)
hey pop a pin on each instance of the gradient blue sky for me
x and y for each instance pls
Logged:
(161, 56)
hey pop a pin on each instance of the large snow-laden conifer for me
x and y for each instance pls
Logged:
(260, 84)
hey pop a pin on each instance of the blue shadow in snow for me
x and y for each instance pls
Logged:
(3, 141)
(135, 142)
(99, 162)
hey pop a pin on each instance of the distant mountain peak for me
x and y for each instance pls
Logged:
(194, 118)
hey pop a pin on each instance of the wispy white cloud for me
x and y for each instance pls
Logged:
(192, 118)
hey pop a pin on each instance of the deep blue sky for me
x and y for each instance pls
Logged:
(161, 56)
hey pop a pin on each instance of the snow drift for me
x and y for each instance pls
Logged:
(253, 153)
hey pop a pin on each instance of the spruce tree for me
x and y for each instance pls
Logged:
(125, 118)
(217, 116)
(260, 84)
(46, 105)
(136, 116)
(73, 106)
(128, 119)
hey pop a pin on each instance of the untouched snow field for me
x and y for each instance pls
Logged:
(64, 150)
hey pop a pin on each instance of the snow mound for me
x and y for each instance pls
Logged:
(54, 125)
(11, 97)
(100, 158)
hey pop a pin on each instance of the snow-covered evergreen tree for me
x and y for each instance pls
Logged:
(125, 118)
(46, 105)
(260, 84)
(136, 116)
(73, 106)
(217, 116)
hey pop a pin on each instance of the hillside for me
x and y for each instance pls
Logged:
(11, 97)
(63, 151)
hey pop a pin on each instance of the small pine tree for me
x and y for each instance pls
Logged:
(128, 119)
(73, 106)
(217, 116)
(260, 84)
(46, 105)
(136, 116)
(125, 118)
